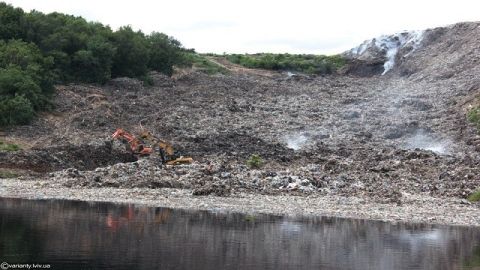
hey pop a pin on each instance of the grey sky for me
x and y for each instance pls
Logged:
(248, 26)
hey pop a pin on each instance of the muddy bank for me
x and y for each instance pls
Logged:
(56, 158)
(415, 208)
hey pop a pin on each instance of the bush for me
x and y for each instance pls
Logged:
(25, 82)
(255, 161)
(94, 63)
(15, 82)
(474, 197)
(15, 111)
(312, 64)
(9, 147)
(28, 58)
(132, 54)
(147, 80)
(474, 116)
(164, 53)
(8, 174)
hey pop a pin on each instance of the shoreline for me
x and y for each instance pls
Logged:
(414, 208)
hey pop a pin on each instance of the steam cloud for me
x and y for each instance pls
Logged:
(424, 141)
(390, 45)
(296, 142)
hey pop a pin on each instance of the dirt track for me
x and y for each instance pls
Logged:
(378, 137)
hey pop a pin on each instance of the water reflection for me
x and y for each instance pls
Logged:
(78, 235)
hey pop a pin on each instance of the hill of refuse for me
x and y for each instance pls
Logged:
(392, 123)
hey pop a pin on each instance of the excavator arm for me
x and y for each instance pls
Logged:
(139, 147)
(135, 145)
(165, 149)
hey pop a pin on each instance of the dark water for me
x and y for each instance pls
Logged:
(79, 235)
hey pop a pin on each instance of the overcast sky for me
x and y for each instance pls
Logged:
(248, 26)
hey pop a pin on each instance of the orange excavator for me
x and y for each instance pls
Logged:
(140, 147)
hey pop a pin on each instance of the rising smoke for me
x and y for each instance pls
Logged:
(296, 141)
(389, 46)
(425, 141)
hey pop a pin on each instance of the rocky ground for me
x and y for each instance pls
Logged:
(414, 209)
(358, 135)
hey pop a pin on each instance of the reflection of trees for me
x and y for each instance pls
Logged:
(473, 261)
(20, 240)
(136, 237)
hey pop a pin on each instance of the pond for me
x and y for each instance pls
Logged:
(80, 235)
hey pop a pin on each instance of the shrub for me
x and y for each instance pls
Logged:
(312, 64)
(255, 161)
(29, 59)
(15, 82)
(9, 147)
(164, 53)
(474, 116)
(8, 174)
(15, 111)
(132, 54)
(147, 80)
(25, 82)
(474, 197)
(94, 63)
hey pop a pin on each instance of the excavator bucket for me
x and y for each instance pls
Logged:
(180, 160)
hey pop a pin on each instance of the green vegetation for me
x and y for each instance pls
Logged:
(203, 64)
(255, 161)
(8, 174)
(474, 197)
(311, 64)
(131, 58)
(9, 147)
(38, 50)
(474, 116)
(25, 82)
(165, 52)
(147, 80)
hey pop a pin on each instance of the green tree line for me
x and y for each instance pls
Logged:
(38, 50)
(307, 63)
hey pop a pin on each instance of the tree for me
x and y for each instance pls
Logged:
(16, 110)
(94, 64)
(131, 58)
(24, 62)
(25, 82)
(15, 82)
(11, 20)
(164, 53)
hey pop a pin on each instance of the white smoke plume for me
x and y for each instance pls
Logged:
(425, 141)
(296, 141)
(390, 45)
